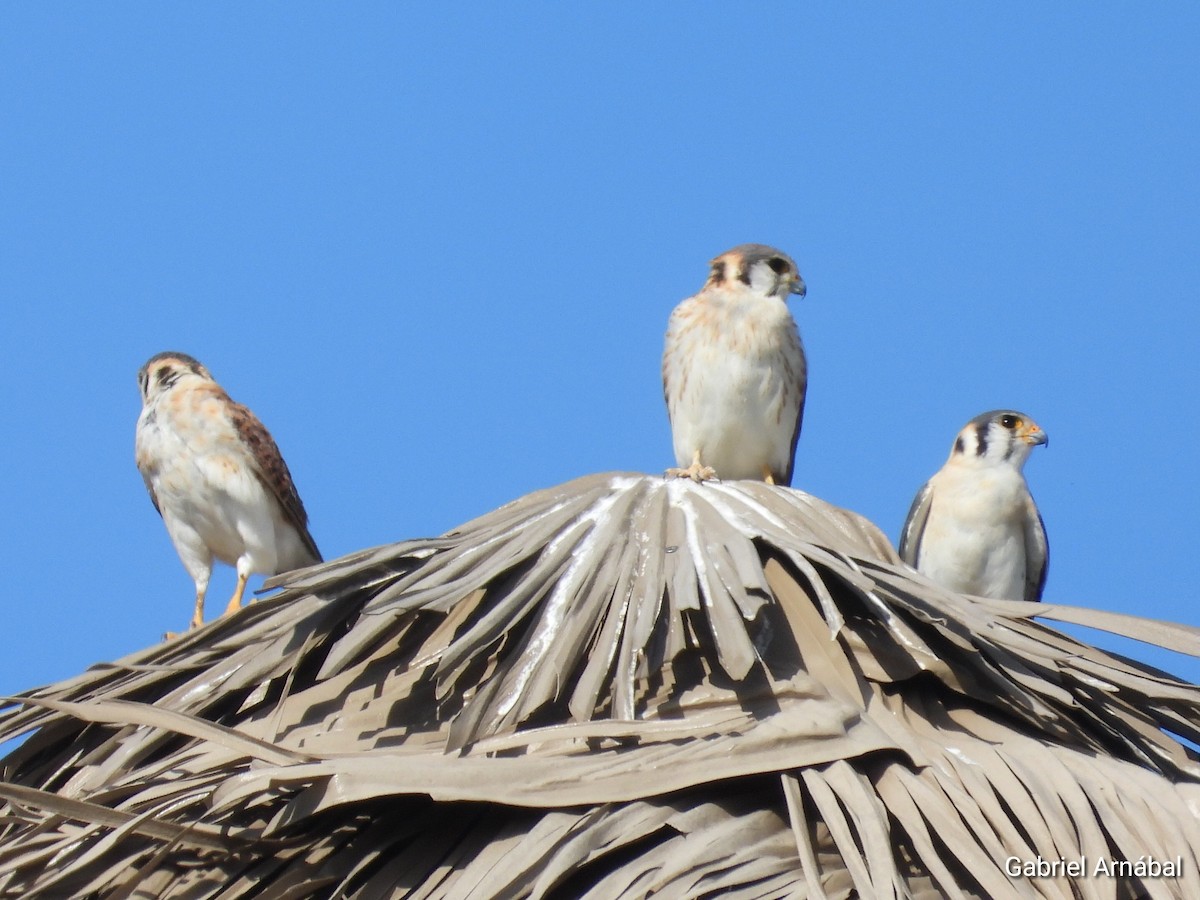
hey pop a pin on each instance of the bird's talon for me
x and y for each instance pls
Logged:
(695, 471)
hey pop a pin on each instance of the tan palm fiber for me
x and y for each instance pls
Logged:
(618, 687)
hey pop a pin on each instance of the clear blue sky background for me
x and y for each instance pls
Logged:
(434, 247)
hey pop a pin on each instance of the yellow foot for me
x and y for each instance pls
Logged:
(197, 621)
(695, 471)
(235, 602)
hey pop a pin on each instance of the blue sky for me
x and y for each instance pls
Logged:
(434, 247)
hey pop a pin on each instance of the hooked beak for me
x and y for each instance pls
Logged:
(1034, 435)
(798, 287)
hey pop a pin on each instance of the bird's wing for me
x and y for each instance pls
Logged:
(785, 478)
(153, 496)
(143, 460)
(1037, 551)
(272, 471)
(914, 525)
(671, 346)
(802, 382)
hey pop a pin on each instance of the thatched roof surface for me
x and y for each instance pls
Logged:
(621, 686)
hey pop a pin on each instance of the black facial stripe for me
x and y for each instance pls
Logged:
(959, 447)
(744, 275)
(166, 377)
(981, 437)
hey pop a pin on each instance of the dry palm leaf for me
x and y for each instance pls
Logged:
(618, 687)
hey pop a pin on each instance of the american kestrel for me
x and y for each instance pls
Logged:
(216, 476)
(974, 527)
(734, 372)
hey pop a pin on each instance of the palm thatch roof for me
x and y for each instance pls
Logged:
(619, 687)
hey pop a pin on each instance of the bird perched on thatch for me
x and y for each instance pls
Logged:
(973, 527)
(734, 372)
(217, 478)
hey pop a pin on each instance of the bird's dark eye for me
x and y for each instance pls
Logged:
(778, 266)
(1010, 421)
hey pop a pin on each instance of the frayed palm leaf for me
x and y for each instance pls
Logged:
(622, 686)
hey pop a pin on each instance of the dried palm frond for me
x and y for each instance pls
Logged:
(621, 686)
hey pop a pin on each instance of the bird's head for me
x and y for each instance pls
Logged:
(758, 267)
(164, 370)
(1000, 436)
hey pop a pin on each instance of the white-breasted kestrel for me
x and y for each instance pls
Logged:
(974, 527)
(217, 478)
(734, 372)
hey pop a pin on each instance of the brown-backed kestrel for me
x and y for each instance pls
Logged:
(216, 476)
(734, 372)
(974, 527)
